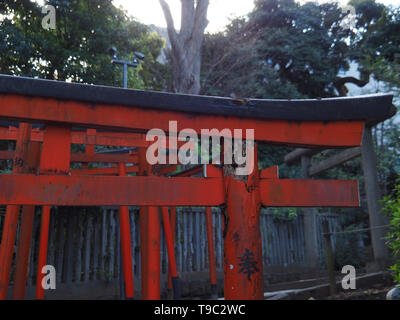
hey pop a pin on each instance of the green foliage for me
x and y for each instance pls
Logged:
(387, 147)
(284, 214)
(283, 50)
(77, 50)
(392, 210)
(375, 45)
(347, 252)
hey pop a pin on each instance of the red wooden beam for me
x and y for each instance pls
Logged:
(150, 236)
(83, 157)
(6, 155)
(26, 227)
(159, 191)
(55, 159)
(12, 212)
(106, 158)
(309, 193)
(269, 173)
(126, 248)
(112, 171)
(125, 139)
(124, 118)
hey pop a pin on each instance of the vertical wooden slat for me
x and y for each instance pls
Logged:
(118, 258)
(271, 239)
(68, 257)
(133, 238)
(60, 231)
(86, 249)
(218, 235)
(79, 244)
(203, 238)
(302, 237)
(51, 250)
(33, 253)
(178, 238)
(190, 241)
(103, 245)
(263, 236)
(162, 248)
(137, 245)
(97, 218)
(185, 242)
(197, 241)
(111, 244)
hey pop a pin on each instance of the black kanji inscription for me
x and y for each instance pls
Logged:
(248, 263)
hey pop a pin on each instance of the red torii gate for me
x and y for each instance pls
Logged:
(324, 122)
(91, 137)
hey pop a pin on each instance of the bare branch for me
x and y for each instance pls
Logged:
(200, 20)
(340, 84)
(173, 36)
(187, 19)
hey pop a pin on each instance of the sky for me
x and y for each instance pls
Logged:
(219, 11)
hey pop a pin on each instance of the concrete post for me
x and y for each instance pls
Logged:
(376, 218)
(310, 223)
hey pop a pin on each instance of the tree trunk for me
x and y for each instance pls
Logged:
(186, 45)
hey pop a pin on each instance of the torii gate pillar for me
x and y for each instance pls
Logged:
(243, 263)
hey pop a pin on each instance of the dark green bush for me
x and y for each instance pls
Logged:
(392, 210)
(348, 248)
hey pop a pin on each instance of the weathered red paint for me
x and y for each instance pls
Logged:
(126, 249)
(83, 157)
(159, 191)
(124, 118)
(169, 239)
(12, 212)
(43, 244)
(309, 193)
(101, 138)
(242, 240)
(243, 264)
(24, 243)
(55, 159)
(269, 173)
(109, 191)
(22, 258)
(89, 147)
(149, 236)
(6, 155)
(110, 171)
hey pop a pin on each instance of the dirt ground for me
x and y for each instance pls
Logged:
(377, 292)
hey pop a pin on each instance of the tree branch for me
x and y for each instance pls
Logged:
(340, 84)
(187, 19)
(200, 19)
(173, 36)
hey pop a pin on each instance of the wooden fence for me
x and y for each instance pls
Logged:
(84, 242)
